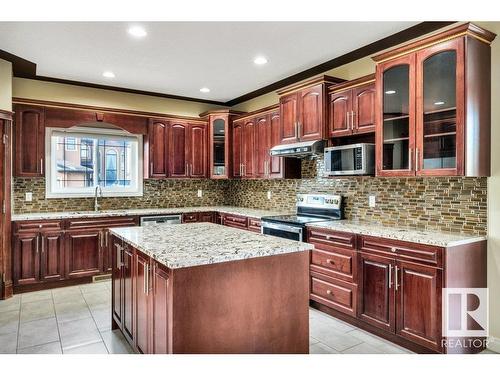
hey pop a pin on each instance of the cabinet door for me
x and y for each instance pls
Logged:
(249, 152)
(418, 303)
(237, 149)
(128, 292)
(363, 111)
(263, 144)
(376, 296)
(206, 217)
(339, 109)
(160, 306)
(275, 162)
(83, 253)
(107, 252)
(178, 154)
(158, 142)
(26, 258)
(51, 256)
(311, 114)
(218, 147)
(440, 109)
(117, 251)
(141, 304)
(30, 141)
(197, 151)
(395, 128)
(288, 118)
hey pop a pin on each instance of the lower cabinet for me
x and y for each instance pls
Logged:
(84, 253)
(141, 286)
(198, 217)
(51, 256)
(160, 310)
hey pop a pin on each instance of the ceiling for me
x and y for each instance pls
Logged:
(179, 58)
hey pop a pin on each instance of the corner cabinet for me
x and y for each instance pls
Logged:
(433, 101)
(29, 145)
(303, 110)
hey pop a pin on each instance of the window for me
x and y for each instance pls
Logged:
(107, 158)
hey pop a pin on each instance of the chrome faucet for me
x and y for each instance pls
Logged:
(96, 203)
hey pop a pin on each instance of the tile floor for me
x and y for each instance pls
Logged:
(77, 319)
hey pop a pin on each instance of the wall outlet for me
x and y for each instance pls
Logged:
(269, 194)
(371, 201)
(200, 193)
(28, 197)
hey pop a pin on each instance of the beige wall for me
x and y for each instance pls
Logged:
(33, 89)
(5, 85)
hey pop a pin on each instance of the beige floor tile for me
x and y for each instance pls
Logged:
(312, 340)
(95, 348)
(68, 294)
(116, 342)
(11, 304)
(339, 342)
(102, 318)
(50, 348)
(36, 296)
(37, 332)
(94, 287)
(320, 348)
(37, 310)
(9, 322)
(8, 343)
(73, 310)
(362, 348)
(98, 299)
(78, 332)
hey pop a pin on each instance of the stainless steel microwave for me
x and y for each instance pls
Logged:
(356, 159)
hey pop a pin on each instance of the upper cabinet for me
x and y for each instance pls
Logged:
(158, 142)
(433, 101)
(303, 110)
(29, 152)
(351, 107)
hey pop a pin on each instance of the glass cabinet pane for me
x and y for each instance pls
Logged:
(439, 99)
(219, 148)
(396, 127)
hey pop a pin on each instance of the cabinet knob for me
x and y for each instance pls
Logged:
(331, 261)
(393, 249)
(329, 292)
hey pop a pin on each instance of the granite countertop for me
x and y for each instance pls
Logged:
(188, 245)
(250, 212)
(426, 237)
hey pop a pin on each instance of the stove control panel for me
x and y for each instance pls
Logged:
(320, 201)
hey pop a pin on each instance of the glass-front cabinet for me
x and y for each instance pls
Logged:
(433, 106)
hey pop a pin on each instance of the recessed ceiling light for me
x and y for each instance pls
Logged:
(205, 89)
(260, 60)
(390, 92)
(108, 74)
(438, 103)
(137, 31)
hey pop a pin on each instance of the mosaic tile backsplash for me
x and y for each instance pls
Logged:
(451, 204)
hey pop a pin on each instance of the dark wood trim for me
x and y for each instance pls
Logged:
(258, 112)
(51, 284)
(6, 115)
(228, 112)
(352, 83)
(83, 107)
(308, 83)
(388, 42)
(20, 67)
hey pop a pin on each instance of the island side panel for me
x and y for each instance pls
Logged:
(258, 305)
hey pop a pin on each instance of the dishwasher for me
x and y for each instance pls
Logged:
(165, 219)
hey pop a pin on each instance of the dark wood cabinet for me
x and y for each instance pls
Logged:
(376, 291)
(142, 301)
(6, 289)
(418, 303)
(262, 146)
(158, 148)
(83, 253)
(197, 146)
(351, 107)
(117, 280)
(29, 141)
(128, 292)
(51, 256)
(248, 149)
(178, 149)
(160, 310)
(237, 149)
(432, 117)
(303, 110)
(26, 258)
(275, 166)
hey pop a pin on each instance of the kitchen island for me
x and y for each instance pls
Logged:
(206, 288)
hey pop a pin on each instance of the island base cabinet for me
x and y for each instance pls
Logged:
(257, 305)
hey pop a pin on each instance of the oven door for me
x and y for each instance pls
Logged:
(282, 230)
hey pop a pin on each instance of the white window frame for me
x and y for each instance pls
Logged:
(50, 165)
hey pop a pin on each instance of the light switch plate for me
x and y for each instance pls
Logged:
(200, 193)
(29, 197)
(371, 201)
(269, 194)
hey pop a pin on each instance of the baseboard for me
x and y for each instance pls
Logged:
(494, 344)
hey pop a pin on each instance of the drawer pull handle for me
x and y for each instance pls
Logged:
(331, 261)
(329, 292)
(393, 249)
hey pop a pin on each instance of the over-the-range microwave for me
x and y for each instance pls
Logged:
(356, 159)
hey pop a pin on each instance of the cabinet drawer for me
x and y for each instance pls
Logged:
(339, 263)
(190, 218)
(33, 226)
(235, 221)
(328, 239)
(254, 225)
(337, 294)
(122, 221)
(402, 250)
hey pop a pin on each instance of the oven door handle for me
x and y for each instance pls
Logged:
(283, 227)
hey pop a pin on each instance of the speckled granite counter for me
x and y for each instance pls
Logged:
(187, 245)
(249, 212)
(426, 237)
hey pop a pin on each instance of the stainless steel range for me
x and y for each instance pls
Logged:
(311, 208)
